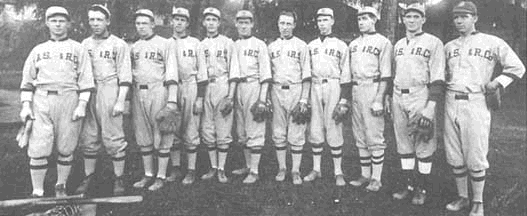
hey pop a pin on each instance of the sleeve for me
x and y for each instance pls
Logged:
(84, 70)
(202, 76)
(264, 64)
(171, 69)
(29, 74)
(437, 72)
(385, 61)
(305, 63)
(234, 66)
(345, 72)
(124, 64)
(513, 68)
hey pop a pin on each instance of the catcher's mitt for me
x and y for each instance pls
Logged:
(493, 99)
(261, 111)
(421, 128)
(340, 113)
(169, 120)
(23, 133)
(301, 113)
(226, 105)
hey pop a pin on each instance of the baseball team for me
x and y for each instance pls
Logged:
(75, 93)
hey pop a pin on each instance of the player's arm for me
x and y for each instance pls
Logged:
(305, 67)
(385, 67)
(124, 72)
(85, 83)
(171, 74)
(513, 68)
(266, 77)
(234, 69)
(345, 77)
(29, 74)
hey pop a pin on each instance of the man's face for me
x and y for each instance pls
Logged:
(180, 23)
(58, 25)
(211, 23)
(465, 22)
(325, 24)
(244, 26)
(414, 21)
(286, 25)
(98, 22)
(144, 26)
(366, 23)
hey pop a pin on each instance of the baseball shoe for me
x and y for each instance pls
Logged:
(175, 174)
(374, 185)
(280, 177)
(297, 180)
(400, 195)
(312, 176)
(158, 184)
(477, 209)
(222, 178)
(339, 180)
(241, 171)
(458, 204)
(360, 181)
(34, 196)
(189, 178)
(83, 187)
(211, 173)
(60, 190)
(251, 178)
(145, 180)
(118, 186)
(419, 197)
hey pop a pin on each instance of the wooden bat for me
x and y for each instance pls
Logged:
(114, 200)
(23, 202)
(23, 134)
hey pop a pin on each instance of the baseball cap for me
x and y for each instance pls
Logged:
(465, 7)
(368, 10)
(144, 12)
(101, 8)
(212, 11)
(181, 12)
(57, 10)
(325, 12)
(244, 14)
(420, 8)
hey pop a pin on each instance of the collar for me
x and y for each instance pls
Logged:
(369, 33)
(246, 37)
(416, 35)
(420, 33)
(323, 37)
(103, 38)
(474, 32)
(287, 38)
(62, 39)
(183, 37)
(150, 37)
(214, 36)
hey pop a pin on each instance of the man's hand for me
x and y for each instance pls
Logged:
(428, 114)
(26, 112)
(376, 108)
(198, 106)
(340, 113)
(118, 108)
(80, 111)
(388, 105)
(492, 87)
(226, 106)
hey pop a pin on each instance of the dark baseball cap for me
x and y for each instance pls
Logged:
(465, 7)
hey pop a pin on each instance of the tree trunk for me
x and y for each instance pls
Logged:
(388, 22)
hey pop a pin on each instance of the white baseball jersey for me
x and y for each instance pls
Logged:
(370, 57)
(150, 58)
(290, 61)
(331, 59)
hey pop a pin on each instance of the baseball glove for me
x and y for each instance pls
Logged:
(301, 113)
(23, 133)
(226, 105)
(421, 128)
(261, 111)
(493, 99)
(340, 113)
(169, 120)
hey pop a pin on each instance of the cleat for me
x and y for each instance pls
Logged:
(210, 174)
(458, 204)
(297, 180)
(477, 209)
(145, 180)
(189, 178)
(158, 184)
(312, 176)
(83, 187)
(60, 190)
(339, 180)
(360, 181)
(251, 178)
(175, 174)
(118, 186)
(419, 197)
(403, 193)
(374, 185)
(34, 196)
(280, 177)
(222, 178)
(241, 171)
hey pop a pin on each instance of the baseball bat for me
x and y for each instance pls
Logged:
(23, 202)
(114, 200)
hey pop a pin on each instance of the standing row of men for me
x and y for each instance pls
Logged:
(216, 82)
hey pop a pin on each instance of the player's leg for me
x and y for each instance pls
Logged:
(223, 132)
(208, 128)
(359, 133)
(296, 136)
(334, 131)
(143, 135)
(279, 128)
(89, 144)
(255, 130)
(191, 135)
(316, 131)
(175, 151)
(242, 135)
(375, 139)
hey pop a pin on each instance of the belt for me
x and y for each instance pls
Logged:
(248, 79)
(461, 97)
(405, 91)
(143, 86)
(216, 79)
(365, 81)
(285, 87)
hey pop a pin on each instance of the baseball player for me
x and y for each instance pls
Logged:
(220, 68)
(371, 69)
(111, 68)
(187, 59)
(155, 75)
(330, 70)
(471, 59)
(291, 68)
(255, 76)
(419, 62)
(56, 83)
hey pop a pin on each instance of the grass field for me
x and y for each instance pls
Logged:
(505, 193)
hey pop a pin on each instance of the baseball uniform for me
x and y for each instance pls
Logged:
(111, 68)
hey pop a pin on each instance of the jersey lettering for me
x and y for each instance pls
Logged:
(62, 56)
